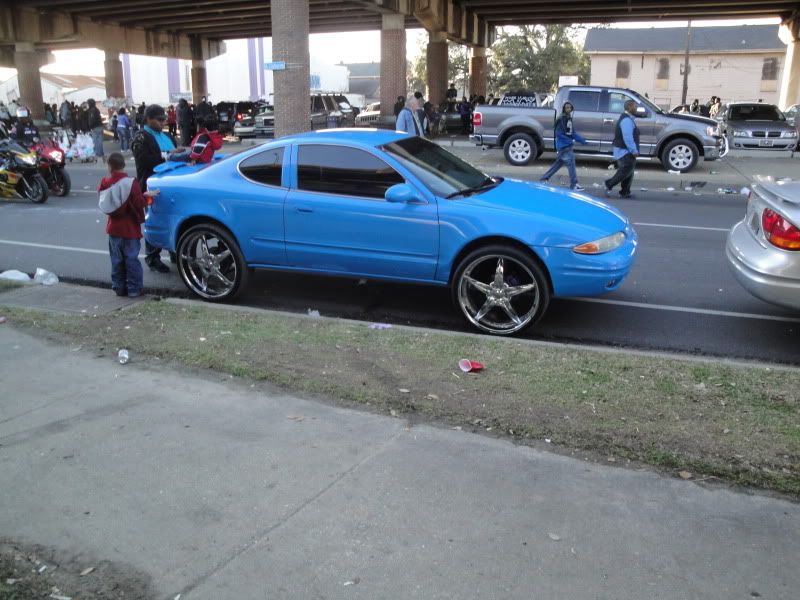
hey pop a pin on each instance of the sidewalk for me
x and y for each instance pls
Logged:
(226, 489)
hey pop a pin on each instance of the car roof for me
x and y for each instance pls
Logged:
(366, 136)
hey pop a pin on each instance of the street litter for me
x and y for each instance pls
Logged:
(45, 277)
(595, 184)
(380, 326)
(42, 569)
(671, 172)
(468, 366)
(14, 275)
(122, 356)
(697, 184)
(744, 191)
(726, 191)
(670, 189)
(684, 474)
(643, 189)
(352, 582)
(86, 571)
(313, 313)
(404, 390)
(688, 188)
(11, 581)
(3, 320)
(554, 537)
(59, 597)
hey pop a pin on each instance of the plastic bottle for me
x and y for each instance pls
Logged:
(123, 356)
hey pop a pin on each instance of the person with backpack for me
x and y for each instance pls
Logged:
(203, 145)
(566, 136)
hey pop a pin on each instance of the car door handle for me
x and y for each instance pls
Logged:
(304, 209)
(607, 121)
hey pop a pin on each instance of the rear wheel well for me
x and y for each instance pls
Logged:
(678, 136)
(202, 220)
(494, 240)
(520, 129)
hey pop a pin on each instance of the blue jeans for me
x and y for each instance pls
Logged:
(127, 276)
(565, 156)
(97, 138)
(124, 138)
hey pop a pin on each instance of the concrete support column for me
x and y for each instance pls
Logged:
(393, 61)
(477, 71)
(199, 80)
(790, 81)
(290, 44)
(27, 61)
(115, 82)
(437, 67)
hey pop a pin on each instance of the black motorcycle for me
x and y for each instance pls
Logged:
(20, 161)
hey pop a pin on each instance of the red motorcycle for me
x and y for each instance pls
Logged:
(52, 166)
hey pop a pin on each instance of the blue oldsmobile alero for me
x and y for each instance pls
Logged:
(387, 205)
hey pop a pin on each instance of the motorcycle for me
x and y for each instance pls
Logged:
(19, 173)
(52, 166)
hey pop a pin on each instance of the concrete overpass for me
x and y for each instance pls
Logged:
(195, 29)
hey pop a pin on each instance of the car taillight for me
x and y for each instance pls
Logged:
(238, 116)
(477, 119)
(779, 231)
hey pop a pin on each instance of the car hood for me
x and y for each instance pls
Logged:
(694, 118)
(766, 125)
(573, 218)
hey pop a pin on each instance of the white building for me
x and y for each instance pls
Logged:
(735, 63)
(56, 88)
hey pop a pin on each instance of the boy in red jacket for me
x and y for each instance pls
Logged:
(122, 200)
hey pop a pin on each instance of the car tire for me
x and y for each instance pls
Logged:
(211, 264)
(681, 155)
(500, 289)
(520, 149)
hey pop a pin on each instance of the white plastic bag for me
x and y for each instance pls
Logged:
(14, 275)
(45, 277)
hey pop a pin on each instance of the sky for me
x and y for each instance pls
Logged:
(361, 46)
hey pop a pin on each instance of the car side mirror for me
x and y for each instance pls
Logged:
(403, 193)
(641, 111)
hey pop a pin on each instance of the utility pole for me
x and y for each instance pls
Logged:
(685, 92)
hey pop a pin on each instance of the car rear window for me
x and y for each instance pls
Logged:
(265, 167)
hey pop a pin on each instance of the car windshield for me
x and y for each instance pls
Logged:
(441, 172)
(655, 108)
(755, 112)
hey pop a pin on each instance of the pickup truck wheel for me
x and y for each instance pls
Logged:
(520, 149)
(680, 155)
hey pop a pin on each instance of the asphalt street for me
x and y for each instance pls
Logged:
(680, 295)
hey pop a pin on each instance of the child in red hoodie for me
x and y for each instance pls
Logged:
(122, 200)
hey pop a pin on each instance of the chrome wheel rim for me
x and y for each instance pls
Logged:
(498, 294)
(680, 157)
(207, 265)
(519, 150)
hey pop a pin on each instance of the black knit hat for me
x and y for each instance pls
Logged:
(154, 111)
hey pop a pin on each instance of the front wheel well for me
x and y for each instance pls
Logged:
(677, 136)
(495, 240)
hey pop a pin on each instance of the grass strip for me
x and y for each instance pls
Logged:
(740, 424)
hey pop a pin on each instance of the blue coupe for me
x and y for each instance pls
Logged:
(387, 205)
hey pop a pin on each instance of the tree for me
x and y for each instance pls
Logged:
(532, 57)
(457, 68)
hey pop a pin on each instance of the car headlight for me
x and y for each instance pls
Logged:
(606, 244)
(789, 134)
(712, 130)
(741, 133)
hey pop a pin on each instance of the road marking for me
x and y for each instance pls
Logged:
(687, 309)
(725, 229)
(53, 247)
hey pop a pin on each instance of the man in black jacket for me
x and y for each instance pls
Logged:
(95, 126)
(150, 147)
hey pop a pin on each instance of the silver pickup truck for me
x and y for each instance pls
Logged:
(525, 130)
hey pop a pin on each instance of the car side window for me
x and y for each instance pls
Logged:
(318, 105)
(265, 167)
(344, 171)
(585, 100)
(616, 102)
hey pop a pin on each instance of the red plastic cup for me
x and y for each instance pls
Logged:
(468, 365)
